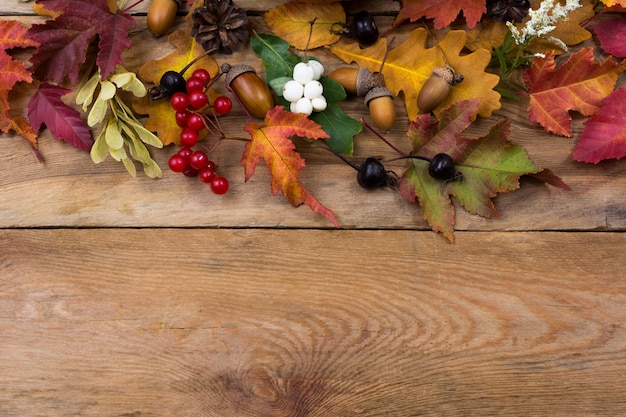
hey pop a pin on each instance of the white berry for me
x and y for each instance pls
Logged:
(318, 69)
(303, 106)
(293, 91)
(303, 72)
(319, 103)
(313, 89)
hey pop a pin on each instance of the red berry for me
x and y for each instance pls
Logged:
(177, 163)
(195, 122)
(206, 175)
(197, 99)
(182, 117)
(219, 185)
(188, 137)
(194, 84)
(202, 74)
(185, 152)
(190, 172)
(210, 164)
(198, 159)
(222, 105)
(179, 101)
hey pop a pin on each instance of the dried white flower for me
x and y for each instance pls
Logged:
(542, 21)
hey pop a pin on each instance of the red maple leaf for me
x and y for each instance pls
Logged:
(46, 107)
(612, 35)
(443, 12)
(65, 39)
(579, 84)
(604, 135)
(271, 142)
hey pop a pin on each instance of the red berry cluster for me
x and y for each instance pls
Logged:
(188, 116)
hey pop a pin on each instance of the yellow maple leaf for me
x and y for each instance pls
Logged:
(161, 117)
(292, 22)
(410, 64)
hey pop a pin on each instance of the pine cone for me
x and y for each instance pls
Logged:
(220, 25)
(508, 10)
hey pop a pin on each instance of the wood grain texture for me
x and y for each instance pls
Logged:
(132, 297)
(369, 323)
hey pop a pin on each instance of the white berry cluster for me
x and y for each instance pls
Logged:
(304, 91)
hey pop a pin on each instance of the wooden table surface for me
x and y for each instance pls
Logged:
(124, 296)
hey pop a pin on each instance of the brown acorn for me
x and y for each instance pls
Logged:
(161, 15)
(382, 109)
(254, 94)
(437, 88)
(357, 81)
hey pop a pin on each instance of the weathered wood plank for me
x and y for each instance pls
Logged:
(292, 323)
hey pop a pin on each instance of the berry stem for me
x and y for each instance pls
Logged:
(391, 145)
(196, 59)
(343, 158)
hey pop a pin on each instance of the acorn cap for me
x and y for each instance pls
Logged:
(365, 81)
(448, 74)
(377, 92)
(234, 71)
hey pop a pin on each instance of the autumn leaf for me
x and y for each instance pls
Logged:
(271, 142)
(443, 12)
(46, 107)
(161, 118)
(410, 64)
(65, 39)
(13, 35)
(489, 165)
(612, 36)
(604, 135)
(579, 84)
(292, 22)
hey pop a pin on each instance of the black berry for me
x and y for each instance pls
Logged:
(363, 28)
(442, 167)
(372, 174)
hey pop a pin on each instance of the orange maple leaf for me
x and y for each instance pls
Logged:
(579, 84)
(161, 117)
(410, 64)
(271, 142)
(292, 22)
(13, 35)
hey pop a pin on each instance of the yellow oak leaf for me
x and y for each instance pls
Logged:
(410, 64)
(292, 22)
(161, 117)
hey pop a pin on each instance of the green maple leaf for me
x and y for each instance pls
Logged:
(490, 165)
